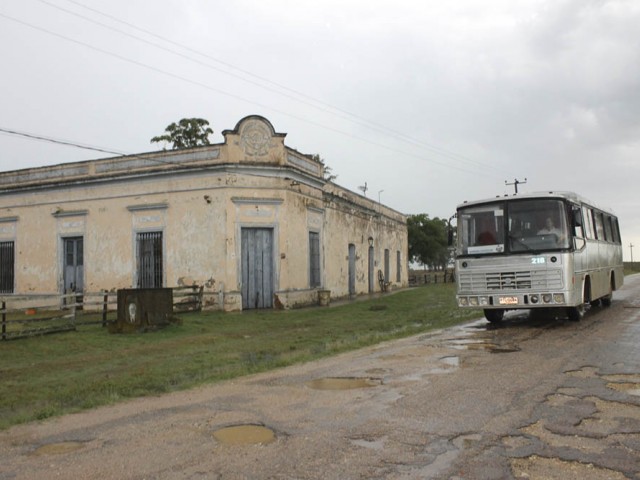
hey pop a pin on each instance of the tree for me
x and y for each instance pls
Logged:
(187, 133)
(428, 240)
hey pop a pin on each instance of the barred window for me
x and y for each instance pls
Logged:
(149, 256)
(314, 260)
(7, 258)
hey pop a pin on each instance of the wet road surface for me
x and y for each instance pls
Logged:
(532, 398)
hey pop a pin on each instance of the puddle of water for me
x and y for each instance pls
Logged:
(245, 435)
(58, 448)
(343, 383)
(377, 444)
(450, 361)
(499, 349)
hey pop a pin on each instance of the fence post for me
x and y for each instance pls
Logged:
(104, 309)
(200, 298)
(72, 297)
(4, 320)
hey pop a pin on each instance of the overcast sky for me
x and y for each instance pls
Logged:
(429, 102)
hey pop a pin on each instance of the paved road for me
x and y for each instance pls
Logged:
(534, 399)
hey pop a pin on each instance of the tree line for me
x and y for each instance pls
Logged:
(428, 241)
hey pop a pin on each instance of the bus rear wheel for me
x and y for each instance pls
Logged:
(494, 315)
(606, 300)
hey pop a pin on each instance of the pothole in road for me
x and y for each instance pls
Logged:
(58, 448)
(540, 467)
(343, 383)
(245, 435)
(475, 344)
(630, 388)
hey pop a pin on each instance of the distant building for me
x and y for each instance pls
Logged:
(250, 219)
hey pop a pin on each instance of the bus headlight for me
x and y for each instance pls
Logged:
(484, 301)
(463, 301)
(546, 298)
(534, 299)
(558, 298)
(473, 301)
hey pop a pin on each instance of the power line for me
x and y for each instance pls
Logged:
(237, 97)
(59, 142)
(69, 143)
(342, 113)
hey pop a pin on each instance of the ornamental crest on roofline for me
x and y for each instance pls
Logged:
(255, 138)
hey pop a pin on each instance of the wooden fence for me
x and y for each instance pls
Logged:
(421, 277)
(30, 315)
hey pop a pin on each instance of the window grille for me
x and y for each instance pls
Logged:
(149, 251)
(314, 260)
(7, 258)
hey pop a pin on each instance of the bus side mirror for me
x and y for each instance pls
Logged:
(450, 236)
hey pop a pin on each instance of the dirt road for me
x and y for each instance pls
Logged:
(535, 398)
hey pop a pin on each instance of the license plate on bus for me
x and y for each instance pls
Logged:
(508, 300)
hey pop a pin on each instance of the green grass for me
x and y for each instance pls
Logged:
(51, 375)
(631, 268)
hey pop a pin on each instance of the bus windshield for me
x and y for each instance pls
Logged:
(516, 226)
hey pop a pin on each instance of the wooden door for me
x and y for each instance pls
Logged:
(257, 267)
(74, 266)
(372, 284)
(352, 269)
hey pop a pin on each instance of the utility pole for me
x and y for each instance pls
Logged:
(631, 248)
(515, 183)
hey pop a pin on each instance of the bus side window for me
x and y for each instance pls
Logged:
(608, 228)
(616, 231)
(578, 229)
(588, 222)
(597, 220)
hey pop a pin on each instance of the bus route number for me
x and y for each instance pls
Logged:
(537, 261)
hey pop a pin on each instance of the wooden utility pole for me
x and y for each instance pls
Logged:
(631, 248)
(515, 183)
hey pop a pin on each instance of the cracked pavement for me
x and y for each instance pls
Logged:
(534, 398)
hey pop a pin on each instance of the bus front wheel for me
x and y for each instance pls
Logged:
(493, 315)
(575, 314)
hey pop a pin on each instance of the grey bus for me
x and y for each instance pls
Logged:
(551, 250)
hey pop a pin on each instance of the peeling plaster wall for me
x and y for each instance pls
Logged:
(200, 203)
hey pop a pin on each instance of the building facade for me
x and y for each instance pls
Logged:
(251, 220)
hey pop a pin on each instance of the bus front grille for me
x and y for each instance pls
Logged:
(508, 280)
(523, 280)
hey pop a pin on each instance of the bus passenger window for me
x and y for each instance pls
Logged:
(608, 230)
(587, 217)
(597, 220)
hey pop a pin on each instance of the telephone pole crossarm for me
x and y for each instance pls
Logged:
(515, 183)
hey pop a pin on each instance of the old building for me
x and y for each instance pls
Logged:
(250, 219)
